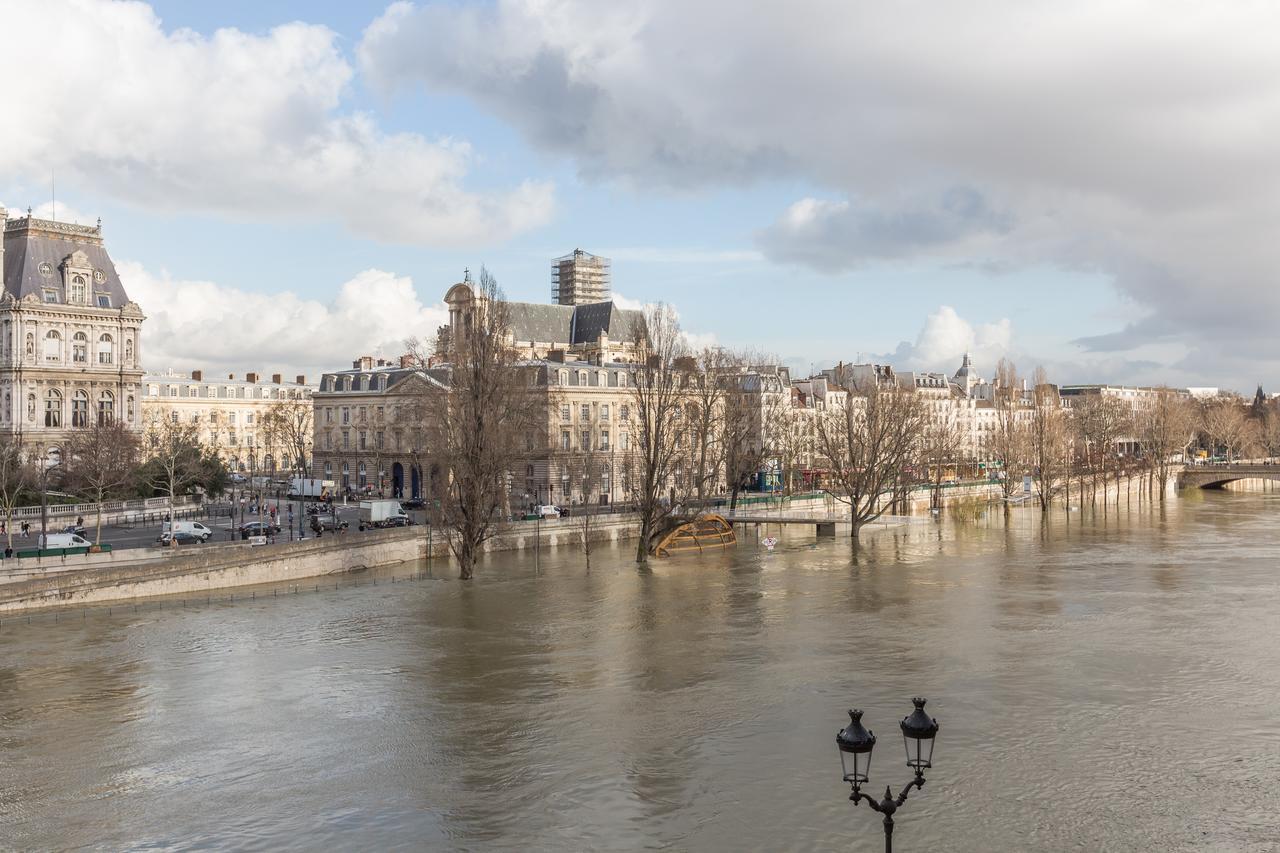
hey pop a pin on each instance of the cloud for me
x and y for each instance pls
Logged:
(204, 325)
(696, 340)
(1133, 140)
(251, 126)
(946, 337)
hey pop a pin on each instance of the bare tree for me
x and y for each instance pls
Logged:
(1165, 426)
(100, 462)
(656, 409)
(17, 475)
(941, 444)
(286, 428)
(1048, 437)
(1100, 422)
(1225, 420)
(477, 426)
(1010, 441)
(789, 436)
(174, 457)
(870, 440)
(707, 391)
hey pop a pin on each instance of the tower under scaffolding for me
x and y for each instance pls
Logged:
(580, 278)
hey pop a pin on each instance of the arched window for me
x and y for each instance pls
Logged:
(53, 408)
(106, 350)
(364, 383)
(52, 346)
(77, 293)
(80, 348)
(31, 345)
(106, 408)
(80, 409)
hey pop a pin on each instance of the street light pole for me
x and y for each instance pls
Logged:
(855, 743)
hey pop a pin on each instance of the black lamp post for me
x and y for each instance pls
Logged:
(919, 731)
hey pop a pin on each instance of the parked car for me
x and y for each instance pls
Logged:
(413, 503)
(258, 528)
(327, 523)
(398, 521)
(182, 537)
(75, 529)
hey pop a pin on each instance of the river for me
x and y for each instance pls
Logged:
(1101, 684)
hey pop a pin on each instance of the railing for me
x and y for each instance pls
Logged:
(88, 509)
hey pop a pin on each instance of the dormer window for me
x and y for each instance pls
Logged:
(77, 290)
(50, 295)
(104, 300)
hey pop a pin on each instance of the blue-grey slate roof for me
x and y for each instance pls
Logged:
(28, 243)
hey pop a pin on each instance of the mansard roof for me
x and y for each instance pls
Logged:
(573, 324)
(34, 250)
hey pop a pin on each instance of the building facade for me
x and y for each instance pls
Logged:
(228, 414)
(70, 352)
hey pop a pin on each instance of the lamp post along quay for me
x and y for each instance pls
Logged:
(919, 731)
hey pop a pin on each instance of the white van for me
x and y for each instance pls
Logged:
(64, 540)
(547, 511)
(191, 528)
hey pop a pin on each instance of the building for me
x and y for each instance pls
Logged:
(70, 351)
(228, 414)
(580, 278)
(370, 426)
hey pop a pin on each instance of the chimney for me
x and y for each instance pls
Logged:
(301, 380)
(556, 355)
(251, 377)
(406, 361)
(231, 376)
(276, 378)
(365, 363)
(197, 375)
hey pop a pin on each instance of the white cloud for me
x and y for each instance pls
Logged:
(696, 340)
(204, 325)
(946, 337)
(1130, 139)
(247, 125)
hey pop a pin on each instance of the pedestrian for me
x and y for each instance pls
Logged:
(26, 529)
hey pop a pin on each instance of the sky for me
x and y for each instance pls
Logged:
(284, 186)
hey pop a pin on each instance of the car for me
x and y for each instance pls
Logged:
(547, 511)
(398, 521)
(258, 528)
(193, 528)
(413, 503)
(181, 537)
(75, 529)
(327, 523)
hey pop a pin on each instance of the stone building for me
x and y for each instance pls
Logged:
(69, 334)
(228, 413)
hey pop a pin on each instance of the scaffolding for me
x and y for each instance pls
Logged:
(580, 278)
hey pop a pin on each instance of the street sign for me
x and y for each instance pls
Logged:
(257, 540)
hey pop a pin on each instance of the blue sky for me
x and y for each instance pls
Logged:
(803, 204)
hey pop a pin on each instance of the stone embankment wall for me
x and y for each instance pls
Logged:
(213, 567)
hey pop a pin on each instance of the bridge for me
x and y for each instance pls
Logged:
(1217, 476)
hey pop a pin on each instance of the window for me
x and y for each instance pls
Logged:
(346, 416)
(52, 346)
(231, 417)
(213, 417)
(586, 440)
(622, 379)
(377, 440)
(564, 439)
(564, 377)
(346, 440)
(80, 409)
(80, 348)
(624, 441)
(173, 417)
(104, 300)
(362, 413)
(328, 416)
(248, 419)
(77, 290)
(624, 412)
(50, 295)
(231, 437)
(363, 480)
(52, 409)
(328, 441)
(604, 439)
(362, 439)
(585, 412)
(604, 411)
(566, 413)
(107, 352)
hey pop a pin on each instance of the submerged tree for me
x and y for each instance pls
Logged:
(871, 440)
(1048, 439)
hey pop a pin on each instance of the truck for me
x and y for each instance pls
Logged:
(309, 487)
(383, 513)
(188, 528)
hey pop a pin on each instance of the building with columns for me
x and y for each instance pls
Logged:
(69, 334)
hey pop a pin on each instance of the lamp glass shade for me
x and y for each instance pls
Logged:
(919, 731)
(855, 744)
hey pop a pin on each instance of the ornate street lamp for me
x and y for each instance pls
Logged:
(855, 743)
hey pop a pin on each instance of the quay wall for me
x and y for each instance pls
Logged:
(214, 567)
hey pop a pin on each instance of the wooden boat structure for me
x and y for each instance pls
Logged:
(696, 536)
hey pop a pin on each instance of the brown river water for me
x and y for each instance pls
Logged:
(1101, 684)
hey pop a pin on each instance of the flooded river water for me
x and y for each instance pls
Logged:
(1100, 685)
